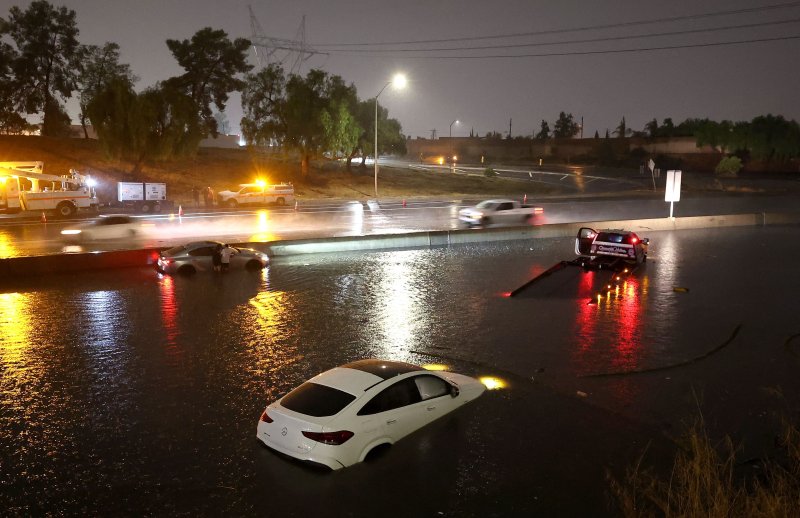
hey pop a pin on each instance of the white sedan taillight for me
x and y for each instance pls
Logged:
(332, 438)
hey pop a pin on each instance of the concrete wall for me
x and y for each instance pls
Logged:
(472, 148)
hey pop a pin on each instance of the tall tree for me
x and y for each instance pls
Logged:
(341, 130)
(622, 130)
(565, 126)
(652, 128)
(365, 117)
(99, 66)
(10, 120)
(159, 123)
(544, 131)
(667, 128)
(263, 100)
(212, 62)
(310, 115)
(46, 65)
(774, 138)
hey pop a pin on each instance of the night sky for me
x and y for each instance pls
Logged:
(482, 87)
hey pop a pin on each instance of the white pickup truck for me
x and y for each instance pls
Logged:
(498, 211)
(257, 194)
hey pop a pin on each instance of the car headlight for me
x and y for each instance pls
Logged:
(70, 232)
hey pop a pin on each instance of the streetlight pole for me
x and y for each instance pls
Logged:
(452, 159)
(399, 81)
(451, 127)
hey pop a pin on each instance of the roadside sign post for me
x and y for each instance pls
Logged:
(673, 190)
(651, 165)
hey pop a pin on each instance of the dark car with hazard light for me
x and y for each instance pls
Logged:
(622, 244)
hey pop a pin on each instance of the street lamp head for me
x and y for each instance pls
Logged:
(399, 81)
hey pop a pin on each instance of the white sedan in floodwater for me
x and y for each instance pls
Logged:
(338, 417)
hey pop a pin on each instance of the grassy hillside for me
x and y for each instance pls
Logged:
(226, 168)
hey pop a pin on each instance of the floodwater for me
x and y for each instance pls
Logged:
(127, 392)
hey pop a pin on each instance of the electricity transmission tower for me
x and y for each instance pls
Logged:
(289, 53)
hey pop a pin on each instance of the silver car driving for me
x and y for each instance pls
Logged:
(197, 256)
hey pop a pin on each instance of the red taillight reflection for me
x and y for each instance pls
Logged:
(333, 438)
(265, 417)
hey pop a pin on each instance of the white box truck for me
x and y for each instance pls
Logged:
(145, 197)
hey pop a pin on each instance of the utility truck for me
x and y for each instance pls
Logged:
(25, 186)
(258, 193)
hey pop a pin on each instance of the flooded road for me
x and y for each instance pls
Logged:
(127, 392)
(340, 218)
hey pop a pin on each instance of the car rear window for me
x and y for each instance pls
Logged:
(613, 237)
(316, 400)
(175, 251)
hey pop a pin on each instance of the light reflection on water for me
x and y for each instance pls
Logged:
(7, 247)
(161, 378)
(609, 322)
(16, 321)
(401, 315)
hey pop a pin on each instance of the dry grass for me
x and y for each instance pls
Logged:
(705, 482)
(226, 168)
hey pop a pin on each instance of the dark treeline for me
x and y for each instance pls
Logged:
(43, 64)
(765, 138)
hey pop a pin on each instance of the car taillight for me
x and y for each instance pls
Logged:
(334, 438)
(265, 417)
(634, 240)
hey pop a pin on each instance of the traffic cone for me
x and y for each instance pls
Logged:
(525, 199)
(44, 218)
(180, 210)
(404, 203)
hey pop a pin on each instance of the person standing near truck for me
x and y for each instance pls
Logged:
(216, 258)
(226, 253)
(209, 196)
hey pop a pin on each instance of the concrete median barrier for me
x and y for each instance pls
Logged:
(65, 263)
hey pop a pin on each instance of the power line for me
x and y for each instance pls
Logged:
(670, 19)
(615, 51)
(571, 42)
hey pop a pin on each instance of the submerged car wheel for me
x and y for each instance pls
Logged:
(377, 452)
(253, 266)
(187, 269)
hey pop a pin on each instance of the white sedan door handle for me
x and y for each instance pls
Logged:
(391, 421)
(432, 408)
